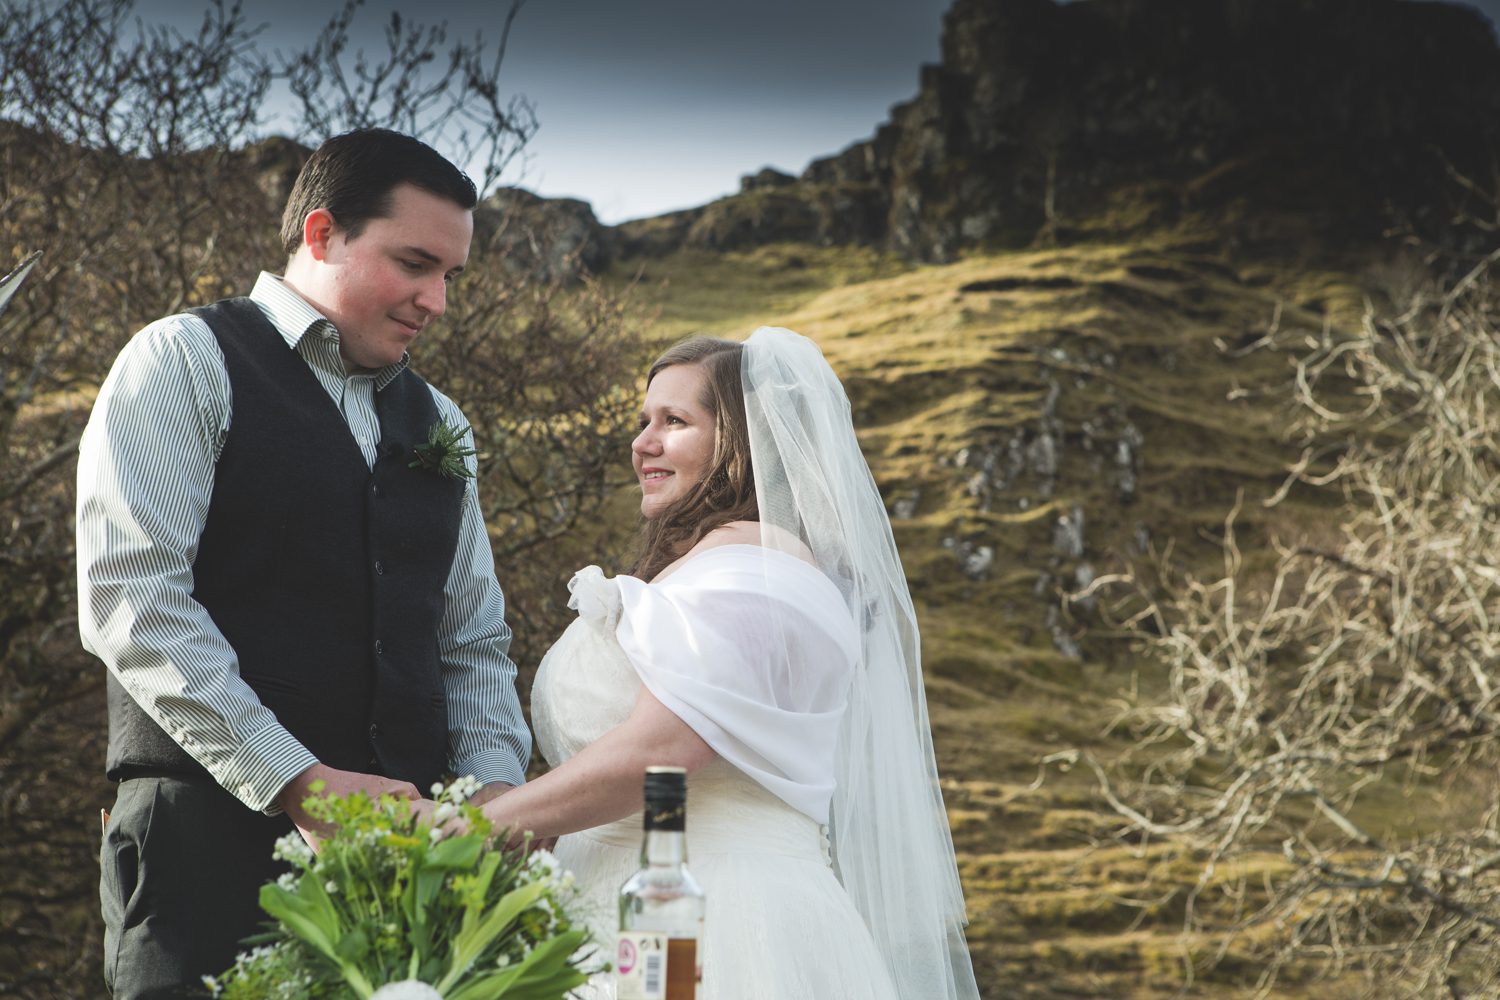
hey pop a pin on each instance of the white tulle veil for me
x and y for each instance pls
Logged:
(890, 840)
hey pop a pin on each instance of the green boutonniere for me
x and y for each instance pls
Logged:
(444, 452)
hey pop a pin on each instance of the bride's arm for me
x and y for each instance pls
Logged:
(603, 781)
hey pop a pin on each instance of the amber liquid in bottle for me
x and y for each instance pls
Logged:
(661, 906)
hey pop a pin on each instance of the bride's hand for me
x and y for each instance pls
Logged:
(501, 815)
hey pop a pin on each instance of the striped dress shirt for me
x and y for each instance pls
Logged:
(145, 476)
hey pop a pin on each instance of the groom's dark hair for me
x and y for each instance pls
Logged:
(352, 176)
(727, 490)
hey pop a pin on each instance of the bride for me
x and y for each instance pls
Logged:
(766, 642)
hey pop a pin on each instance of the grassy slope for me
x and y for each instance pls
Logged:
(944, 359)
(1125, 331)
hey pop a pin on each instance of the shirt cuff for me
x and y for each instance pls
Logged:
(262, 766)
(488, 768)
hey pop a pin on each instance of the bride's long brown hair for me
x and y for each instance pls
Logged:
(727, 490)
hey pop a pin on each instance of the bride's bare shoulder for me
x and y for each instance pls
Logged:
(733, 533)
(754, 533)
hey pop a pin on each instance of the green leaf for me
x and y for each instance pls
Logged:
(311, 916)
(303, 917)
(549, 989)
(478, 889)
(545, 974)
(471, 941)
(487, 985)
(431, 969)
(455, 852)
(353, 945)
(550, 958)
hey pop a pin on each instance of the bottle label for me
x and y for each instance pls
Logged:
(654, 967)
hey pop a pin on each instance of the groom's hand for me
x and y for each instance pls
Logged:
(335, 783)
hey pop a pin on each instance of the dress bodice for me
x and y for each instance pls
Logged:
(778, 923)
(586, 686)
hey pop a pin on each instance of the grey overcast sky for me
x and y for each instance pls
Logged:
(651, 105)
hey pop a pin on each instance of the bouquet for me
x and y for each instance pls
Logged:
(393, 900)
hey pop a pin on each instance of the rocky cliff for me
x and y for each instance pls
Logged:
(1279, 121)
(1336, 117)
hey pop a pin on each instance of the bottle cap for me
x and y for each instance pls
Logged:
(666, 798)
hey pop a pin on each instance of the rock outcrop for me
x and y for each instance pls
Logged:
(549, 238)
(1328, 116)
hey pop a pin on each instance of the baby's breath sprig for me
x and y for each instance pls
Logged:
(444, 451)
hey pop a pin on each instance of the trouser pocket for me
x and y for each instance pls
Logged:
(120, 869)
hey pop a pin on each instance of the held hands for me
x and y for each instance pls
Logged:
(340, 783)
(491, 799)
(335, 783)
(498, 811)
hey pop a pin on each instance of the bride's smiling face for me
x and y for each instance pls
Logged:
(676, 443)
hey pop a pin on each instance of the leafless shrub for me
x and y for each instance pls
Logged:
(1356, 666)
(114, 162)
(450, 94)
(129, 155)
(547, 375)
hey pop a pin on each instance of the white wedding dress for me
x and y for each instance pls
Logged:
(779, 926)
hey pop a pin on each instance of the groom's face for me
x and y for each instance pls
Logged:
(385, 285)
(676, 443)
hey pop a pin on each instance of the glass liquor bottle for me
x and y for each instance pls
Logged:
(661, 906)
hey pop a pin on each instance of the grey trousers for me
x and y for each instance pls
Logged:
(180, 874)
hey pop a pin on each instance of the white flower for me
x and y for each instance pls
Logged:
(291, 847)
(331, 887)
(212, 985)
(409, 989)
(458, 792)
(288, 881)
(544, 862)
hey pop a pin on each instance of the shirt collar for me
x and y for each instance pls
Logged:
(294, 318)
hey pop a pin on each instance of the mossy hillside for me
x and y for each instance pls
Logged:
(729, 294)
(955, 373)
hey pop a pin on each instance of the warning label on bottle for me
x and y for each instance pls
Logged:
(654, 967)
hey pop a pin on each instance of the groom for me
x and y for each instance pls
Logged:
(280, 597)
